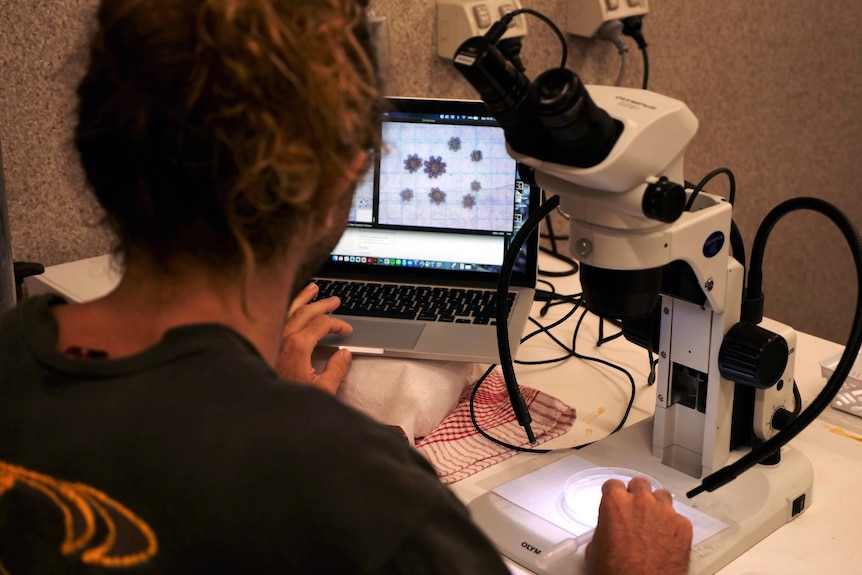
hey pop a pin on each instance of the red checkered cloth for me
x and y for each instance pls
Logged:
(457, 450)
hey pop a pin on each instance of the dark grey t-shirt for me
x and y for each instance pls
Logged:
(193, 457)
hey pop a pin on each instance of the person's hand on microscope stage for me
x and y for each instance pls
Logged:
(638, 532)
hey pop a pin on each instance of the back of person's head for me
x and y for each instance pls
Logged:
(212, 128)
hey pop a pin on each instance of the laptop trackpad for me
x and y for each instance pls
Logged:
(377, 334)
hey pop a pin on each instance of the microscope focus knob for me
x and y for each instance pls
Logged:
(663, 200)
(782, 418)
(753, 356)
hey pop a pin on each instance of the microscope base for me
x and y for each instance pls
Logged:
(751, 507)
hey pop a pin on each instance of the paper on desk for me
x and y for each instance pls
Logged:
(540, 493)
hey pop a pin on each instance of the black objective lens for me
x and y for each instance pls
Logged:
(620, 294)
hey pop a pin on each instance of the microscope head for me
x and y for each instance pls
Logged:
(551, 119)
(613, 155)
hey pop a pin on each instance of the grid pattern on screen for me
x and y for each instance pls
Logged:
(446, 176)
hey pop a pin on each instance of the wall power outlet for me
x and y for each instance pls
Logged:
(458, 20)
(584, 17)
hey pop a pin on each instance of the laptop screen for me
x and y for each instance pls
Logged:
(443, 201)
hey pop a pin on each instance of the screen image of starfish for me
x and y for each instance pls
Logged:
(437, 196)
(413, 163)
(435, 166)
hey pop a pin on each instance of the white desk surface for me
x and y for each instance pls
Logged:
(823, 539)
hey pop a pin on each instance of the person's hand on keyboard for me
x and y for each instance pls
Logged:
(307, 323)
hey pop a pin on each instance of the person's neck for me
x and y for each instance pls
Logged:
(147, 303)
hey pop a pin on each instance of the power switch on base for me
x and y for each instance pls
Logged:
(798, 506)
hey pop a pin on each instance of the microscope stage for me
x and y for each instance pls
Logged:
(534, 521)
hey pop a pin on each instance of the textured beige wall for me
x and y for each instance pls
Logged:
(775, 84)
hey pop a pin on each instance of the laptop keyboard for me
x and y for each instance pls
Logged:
(424, 303)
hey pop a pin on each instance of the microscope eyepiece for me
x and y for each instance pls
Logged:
(556, 84)
(571, 117)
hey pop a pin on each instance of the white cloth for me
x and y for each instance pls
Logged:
(415, 395)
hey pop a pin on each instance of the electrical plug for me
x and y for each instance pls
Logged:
(612, 31)
(632, 27)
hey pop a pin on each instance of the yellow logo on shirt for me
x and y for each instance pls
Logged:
(83, 508)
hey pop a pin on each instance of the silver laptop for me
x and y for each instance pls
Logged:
(436, 214)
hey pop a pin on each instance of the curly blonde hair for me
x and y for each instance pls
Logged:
(212, 128)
